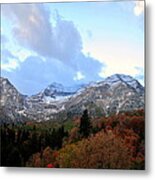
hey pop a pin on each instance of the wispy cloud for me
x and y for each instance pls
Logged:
(10, 66)
(139, 8)
(10, 62)
(78, 76)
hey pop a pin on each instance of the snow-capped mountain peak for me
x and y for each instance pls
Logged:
(126, 79)
(118, 77)
(117, 93)
(57, 87)
(56, 92)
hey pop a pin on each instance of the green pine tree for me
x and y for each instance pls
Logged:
(85, 124)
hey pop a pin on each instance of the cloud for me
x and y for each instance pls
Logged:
(110, 70)
(10, 66)
(89, 66)
(134, 71)
(46, 51)
(6, 54)
(78, 76)
(68, 41)
(132, 6)
(139, 8)
(30, 26)
(9, 61)
(32, 29)
(35, 74)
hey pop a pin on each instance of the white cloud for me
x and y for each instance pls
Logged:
(110, 70)
(118, 56)
(23, 54)
(139, 8)
(78, 76)
(134, 71)
(11, 65)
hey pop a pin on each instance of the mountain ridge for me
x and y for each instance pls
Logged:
(116, 93)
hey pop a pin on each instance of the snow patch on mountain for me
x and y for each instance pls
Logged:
(115, 94)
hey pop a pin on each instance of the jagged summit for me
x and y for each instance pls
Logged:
(120, 77)
(117, 77)
(125, 79)
(115, 94)
(57, 87)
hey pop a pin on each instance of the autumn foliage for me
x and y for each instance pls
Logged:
(114, 142)
(102, 150)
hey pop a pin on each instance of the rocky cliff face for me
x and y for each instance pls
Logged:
(11, 101)
(115, 94)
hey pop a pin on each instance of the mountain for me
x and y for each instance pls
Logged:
(128, 80)
(117, 93)
(56, 92)
(11, 101)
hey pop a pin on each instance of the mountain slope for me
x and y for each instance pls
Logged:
(115, 94)
(11, 101)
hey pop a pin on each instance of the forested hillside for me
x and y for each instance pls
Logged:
(115, 142)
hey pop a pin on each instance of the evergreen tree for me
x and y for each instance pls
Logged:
(85, 124)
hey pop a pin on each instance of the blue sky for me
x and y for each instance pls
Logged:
(71, 43)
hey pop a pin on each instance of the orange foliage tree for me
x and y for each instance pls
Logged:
(102, 150)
